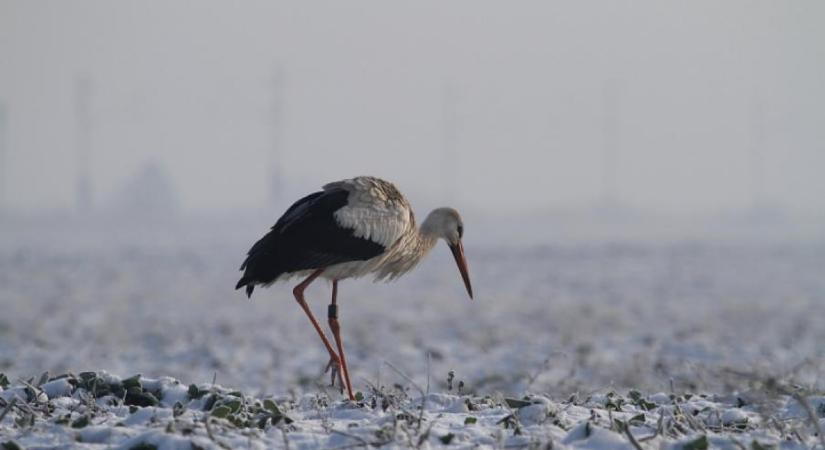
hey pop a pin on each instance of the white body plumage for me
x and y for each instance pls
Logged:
(378, 212)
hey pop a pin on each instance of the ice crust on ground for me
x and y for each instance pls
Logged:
(96, 414)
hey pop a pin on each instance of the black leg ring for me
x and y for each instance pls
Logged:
(332, 311)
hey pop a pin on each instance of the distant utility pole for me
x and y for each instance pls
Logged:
(276, 181)
(4, 137)
(757, 157)
(83, 91)
(611, 107)
(449, 141)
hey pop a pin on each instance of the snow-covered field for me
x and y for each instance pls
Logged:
(98, 410)
(714, 338)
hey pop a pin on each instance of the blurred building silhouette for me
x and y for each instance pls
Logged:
(83, 91)
(148, 194)
(763, 209)
(611, 206)
(611, 113)
(756, 146)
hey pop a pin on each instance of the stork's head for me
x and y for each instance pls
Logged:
(446, 223)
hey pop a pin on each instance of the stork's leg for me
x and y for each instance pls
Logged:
(334, 361)
(336, 333)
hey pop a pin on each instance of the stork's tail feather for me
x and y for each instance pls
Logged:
(244, 281)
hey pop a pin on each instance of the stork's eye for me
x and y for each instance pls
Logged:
(460, 231)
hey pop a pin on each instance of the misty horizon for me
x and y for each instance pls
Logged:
(678, 109)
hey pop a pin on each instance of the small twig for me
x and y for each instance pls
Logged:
(376, 391)
(284, 436)
(779, 427)
(428, 372)
(209, 432)
(24, 406)
(405, 376)
(631, 438)
(647, 438)
(531, 378)
(417, 387)
(424, 400)
(518, 445)
(737, 443)
(695, 424)
(811, 414)
(208, 428)
(426, 434)
(660, 422)
(362, 442)
(213, 391)
(35, 390)
(798, 436)
(8, 408)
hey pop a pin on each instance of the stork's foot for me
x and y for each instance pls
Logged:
(335, 372)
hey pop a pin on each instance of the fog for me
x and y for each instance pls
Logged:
(640, 183)
(663, 107)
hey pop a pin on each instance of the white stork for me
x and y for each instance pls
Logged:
(349, 229)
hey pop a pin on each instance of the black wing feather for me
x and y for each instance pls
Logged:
(306, 237)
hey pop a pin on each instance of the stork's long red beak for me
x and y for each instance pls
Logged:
(461, 261)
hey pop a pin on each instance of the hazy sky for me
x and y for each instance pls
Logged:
(690, 97)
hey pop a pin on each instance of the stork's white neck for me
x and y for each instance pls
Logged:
(427, 236)
(413, 247)
(427, 239)
(429, 228)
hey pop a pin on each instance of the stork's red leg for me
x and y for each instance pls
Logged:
(336, 333)
(334, 360)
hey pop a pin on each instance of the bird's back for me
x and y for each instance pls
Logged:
(350, 220)
(375, 210)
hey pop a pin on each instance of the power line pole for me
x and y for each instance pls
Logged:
(610, 141)
(276, 181)
(83, 91)
(757, 157)
(449, 141)
(4, 136)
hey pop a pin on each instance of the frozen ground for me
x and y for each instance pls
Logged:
(98, 410)
(583, 319)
